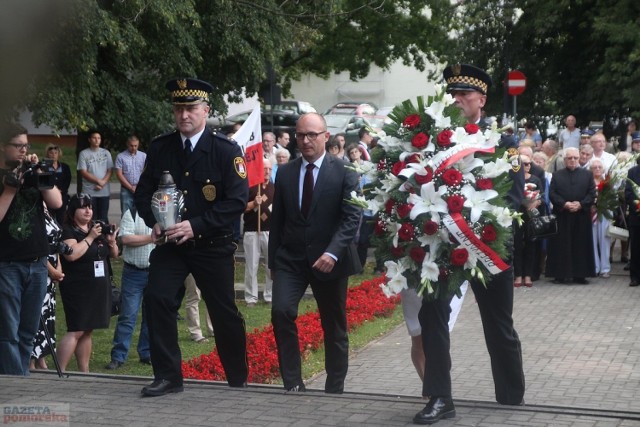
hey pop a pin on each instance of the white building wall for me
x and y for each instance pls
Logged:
(384, 88)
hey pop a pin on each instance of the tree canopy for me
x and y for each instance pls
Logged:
(103, 63)
(581, 57)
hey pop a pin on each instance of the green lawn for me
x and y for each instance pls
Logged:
(256, 317)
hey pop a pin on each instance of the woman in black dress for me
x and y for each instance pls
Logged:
(86, 289)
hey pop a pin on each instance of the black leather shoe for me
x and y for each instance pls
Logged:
(581, 281)
(114, 364)
(634, 282)
(437, 409)
(162, 387)
(145, 360)
(560, 281)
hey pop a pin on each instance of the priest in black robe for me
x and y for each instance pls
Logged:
(570, 252)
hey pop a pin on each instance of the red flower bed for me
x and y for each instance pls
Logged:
(364, 302)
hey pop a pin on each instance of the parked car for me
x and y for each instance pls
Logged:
(298, 107)
(353, 108)
(350, 125)
(282, 119)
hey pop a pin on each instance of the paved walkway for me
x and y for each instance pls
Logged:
(581, 349)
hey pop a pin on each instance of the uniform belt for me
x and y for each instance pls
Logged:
(136, 267)
(210, 242)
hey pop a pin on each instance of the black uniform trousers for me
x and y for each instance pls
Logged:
(213, 271)
(331, 296)
(634, 246)
(496, 307)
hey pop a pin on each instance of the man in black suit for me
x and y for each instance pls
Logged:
(210, 172)
(312, 242)
(469, 85)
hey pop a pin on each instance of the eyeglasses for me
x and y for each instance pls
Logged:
(572, 158)
(20, 146)
(311, 136)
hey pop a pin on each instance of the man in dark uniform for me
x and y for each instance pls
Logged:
(469, 85)
(209, 170)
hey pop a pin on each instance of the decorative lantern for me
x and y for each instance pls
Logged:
(167, 202)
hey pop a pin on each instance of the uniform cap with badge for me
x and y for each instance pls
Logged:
(587, 133)
(187, 91)
(465, 77)
(635, 136)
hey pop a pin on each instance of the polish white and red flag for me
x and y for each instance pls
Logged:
(249, 137)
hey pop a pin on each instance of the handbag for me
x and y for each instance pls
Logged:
(616, 232)
(541, 227)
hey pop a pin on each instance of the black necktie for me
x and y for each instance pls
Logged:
(187, 148)
(307, 190)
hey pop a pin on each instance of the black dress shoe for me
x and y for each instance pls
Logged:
(437, 409)
(145, 360)
(560, 281)
(581, 281)
(634, 282)
(162, 387)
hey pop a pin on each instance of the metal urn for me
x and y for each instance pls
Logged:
(167, 202)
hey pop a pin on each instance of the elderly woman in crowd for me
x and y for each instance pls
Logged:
(62, 178)
(86, 289)
(601, 241)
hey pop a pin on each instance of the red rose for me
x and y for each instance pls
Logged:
(455, 203)
(379, 228)
(397, 168)
(404, 210)
(601, 185)
(430, 228)
(388, 206)
(414, 158)
(444, 138)
(452, 177)
(488, 233)
(397, 251)
(417, 254)
(420, 140)
(484, 184)
(406, 232)
(459, 257)
(471, 128)
(411, 121)
(424, 179)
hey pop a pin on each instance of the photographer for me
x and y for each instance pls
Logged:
(86, 289)
(24, 249)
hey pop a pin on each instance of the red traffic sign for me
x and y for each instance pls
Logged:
(516, 82)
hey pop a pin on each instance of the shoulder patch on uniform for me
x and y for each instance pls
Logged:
(241, 168)
(222, 136)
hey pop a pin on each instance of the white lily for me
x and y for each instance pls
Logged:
(497, 168)
(390, 182)
(436, 111)
(477, 201)
(503, 216)
(466, 166)
(429, 201)
(430, 270)
(396, 281)
(390, 143)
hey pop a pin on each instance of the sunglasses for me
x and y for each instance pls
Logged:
(526, 163)
(83, 199)
(52, 148)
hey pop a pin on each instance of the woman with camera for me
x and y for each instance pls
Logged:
(86, 289)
